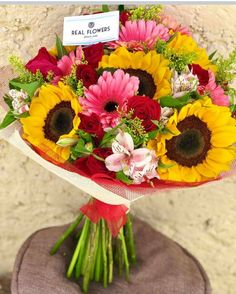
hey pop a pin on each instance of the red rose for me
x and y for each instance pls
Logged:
(202, 74)
(91, 166)
(124, 16)
(93, 54)
(92, 125)
(146, 109)
(87, 74)
(43, 62)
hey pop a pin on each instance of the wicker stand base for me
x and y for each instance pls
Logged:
(163, 267)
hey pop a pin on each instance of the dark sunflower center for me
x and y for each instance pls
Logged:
(59, 121)
(191, 146)
(147, 86)
(110, 106)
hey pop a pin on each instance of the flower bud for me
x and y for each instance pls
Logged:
(66, 142)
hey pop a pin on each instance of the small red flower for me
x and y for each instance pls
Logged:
(92, 125)
(43, 62)
(91, 166)
(93, 54)
(146, 109)
(87, 74)
(124, 16)
(202, 74)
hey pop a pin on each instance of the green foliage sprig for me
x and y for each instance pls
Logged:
(80, 89)
(25, 76)
(71, 79)
(146, 13)
(226, 68)
(226, 72)
(135, 128)
(178, 60)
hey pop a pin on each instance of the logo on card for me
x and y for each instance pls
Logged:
(91, 24)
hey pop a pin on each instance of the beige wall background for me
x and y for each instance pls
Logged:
(201, 220)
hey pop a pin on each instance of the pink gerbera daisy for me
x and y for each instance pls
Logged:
(216, 92)
(66, 62)
(140, 34)
(109, 95)
(169, 22)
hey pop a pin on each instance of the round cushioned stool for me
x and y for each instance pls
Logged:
(163, 267)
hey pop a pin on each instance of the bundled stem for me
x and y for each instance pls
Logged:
(97, 251)
(66, 234)
(130, 239)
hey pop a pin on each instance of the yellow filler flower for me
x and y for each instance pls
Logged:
(200, 145)
(151, 69)
(186, 44)
(53, 115)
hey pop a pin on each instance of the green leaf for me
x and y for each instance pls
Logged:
(121, 8)
(152, 135)
(8, 101)
(22, 115)
(30, 88)
(79, 150)
(162, 129)
(172, 37)
(61, 50)
(123, 178)
(102, 69)
(165, 131)
(80, 147)
(109, 136)
(8, 119)
(162, 165)
(212, 55)
(169, 101)
(85, 136)
(233, 108)
(156, 122)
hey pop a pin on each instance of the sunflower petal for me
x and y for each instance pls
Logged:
(205, 170)
(222, 155)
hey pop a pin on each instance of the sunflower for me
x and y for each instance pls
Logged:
(186, 44)
(200, 144)
(151, 69)
(53, 115)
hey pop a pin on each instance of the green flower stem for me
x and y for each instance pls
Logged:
(104, 253)
(94, 255)
(89, 262)
(97, 157)
(110, 258)
(124, 250)
(130, 239)
(66, 234)
(98, 262)
(77, 250)
(92, 272)
(84, 243)
(86, 256)
(120, 256)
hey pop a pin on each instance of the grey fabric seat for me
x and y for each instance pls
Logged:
(163, 267)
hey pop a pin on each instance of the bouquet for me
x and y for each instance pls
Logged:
(148, 112)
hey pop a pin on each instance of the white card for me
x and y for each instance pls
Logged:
(91, 29)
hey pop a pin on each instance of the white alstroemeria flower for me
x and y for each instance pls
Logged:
(183, 83)
(138, 164)
(166, 113)
(18, 101)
